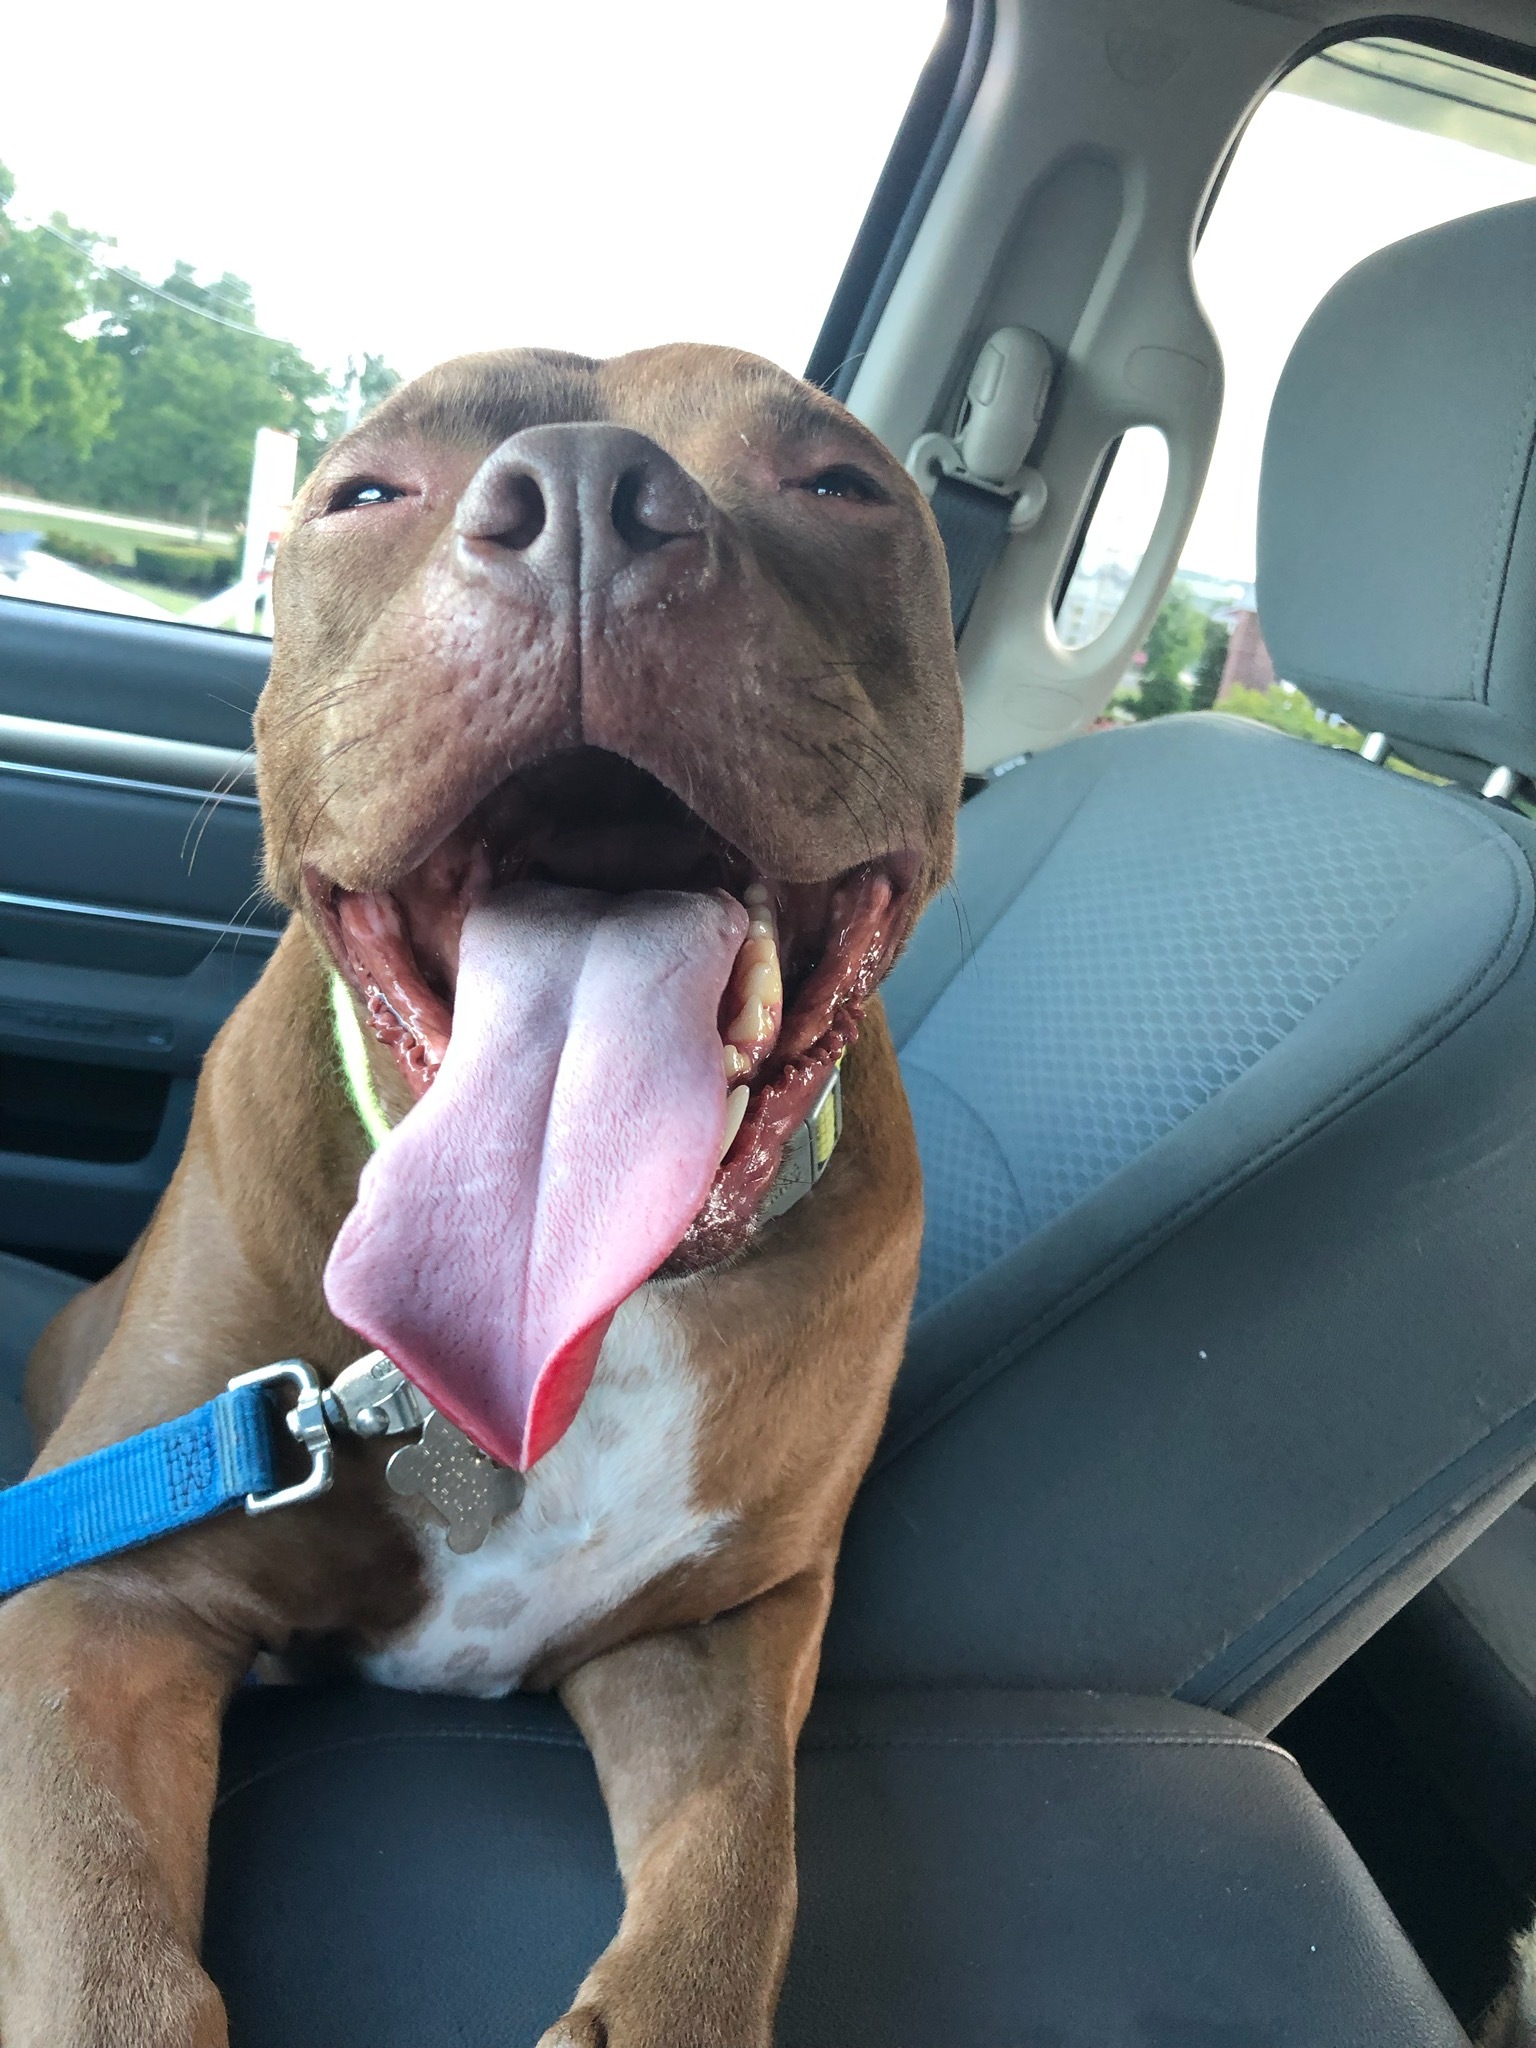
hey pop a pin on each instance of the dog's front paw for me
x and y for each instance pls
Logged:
(582, 2027)
(590, 2026)
(655, 2013)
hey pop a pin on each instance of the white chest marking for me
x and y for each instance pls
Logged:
(607, 1510)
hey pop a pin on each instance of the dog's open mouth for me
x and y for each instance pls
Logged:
(588, 820)
(628, 1018)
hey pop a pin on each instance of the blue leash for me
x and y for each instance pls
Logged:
(223, 1454)
(163, 1479)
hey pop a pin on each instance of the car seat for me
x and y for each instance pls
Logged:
(1220, 1057)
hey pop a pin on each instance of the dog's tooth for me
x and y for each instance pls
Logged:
(762, 991)
(759, 904)
(757, 988)
(735, 1110)
(765, 980)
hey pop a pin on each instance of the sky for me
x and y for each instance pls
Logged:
(602, 174)
(596, 175)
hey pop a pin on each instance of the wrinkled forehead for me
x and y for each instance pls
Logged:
(692, 400)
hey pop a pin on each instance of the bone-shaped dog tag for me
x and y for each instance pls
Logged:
(469, 1490)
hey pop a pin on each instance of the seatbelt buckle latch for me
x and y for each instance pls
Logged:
(1003, 406)
(998, 421)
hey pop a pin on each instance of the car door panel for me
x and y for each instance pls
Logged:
(131, 918)
(129, 675)
(163, 852)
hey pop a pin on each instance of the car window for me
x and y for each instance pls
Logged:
(195, 300)
(1362, 144)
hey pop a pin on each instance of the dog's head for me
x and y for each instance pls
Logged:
(670, 623)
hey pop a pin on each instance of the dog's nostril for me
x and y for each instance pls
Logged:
(632, 514)
(522, 515)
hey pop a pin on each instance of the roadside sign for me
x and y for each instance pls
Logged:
(274, 470)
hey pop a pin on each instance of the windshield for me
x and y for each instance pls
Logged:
(221, 241)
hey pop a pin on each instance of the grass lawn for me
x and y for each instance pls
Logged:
(170, 601)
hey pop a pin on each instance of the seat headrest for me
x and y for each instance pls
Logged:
(1397, 529)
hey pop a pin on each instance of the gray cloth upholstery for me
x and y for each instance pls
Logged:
(1174, 946)
(30, 1297)
(1088, 1873)
(1221, 1065)
(1221, 1068)
(1397, 527)
(1208, 1426)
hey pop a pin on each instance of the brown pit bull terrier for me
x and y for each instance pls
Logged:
(611, 748)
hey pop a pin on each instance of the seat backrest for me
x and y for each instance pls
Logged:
(1397, 523)
(1222, 1069)
(1177, 944)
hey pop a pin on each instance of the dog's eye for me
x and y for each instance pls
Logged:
(365, 491)
(844, 481)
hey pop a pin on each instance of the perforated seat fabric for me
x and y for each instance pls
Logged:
(1185, 897)
(1221, 1066)
(1209, 1421)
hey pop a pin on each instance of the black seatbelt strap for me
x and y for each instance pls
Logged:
(976, 478)
(973, 525)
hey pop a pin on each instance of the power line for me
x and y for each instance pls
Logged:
(132, 277)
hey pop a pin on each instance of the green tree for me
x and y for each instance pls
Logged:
(375, 381)
(145, 397)
(58, 389)
(1290, 711)
(356, 392)
(1176, 638)
(1159, 696)
(1175, 641)
(194, 391)
(1211, 666)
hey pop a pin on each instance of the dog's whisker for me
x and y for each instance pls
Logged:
(203, 815)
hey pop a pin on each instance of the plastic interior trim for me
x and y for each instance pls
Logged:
(60, 906)
(934, 118)
(91, 753)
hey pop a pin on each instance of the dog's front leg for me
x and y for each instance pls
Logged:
(110, 1708)
(694, 1733)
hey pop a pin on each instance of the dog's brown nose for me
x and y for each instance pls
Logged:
(575, 505)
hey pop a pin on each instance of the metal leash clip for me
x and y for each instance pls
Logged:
(372, 1398)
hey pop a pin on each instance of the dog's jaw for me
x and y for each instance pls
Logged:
(793, 1002)
(610, 1100)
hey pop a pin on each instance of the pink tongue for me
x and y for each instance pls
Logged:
(567, 1143)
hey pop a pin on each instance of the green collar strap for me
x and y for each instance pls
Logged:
(352, 1051)
(806, 1156)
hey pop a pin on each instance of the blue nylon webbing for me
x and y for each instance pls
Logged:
(162, 1479)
